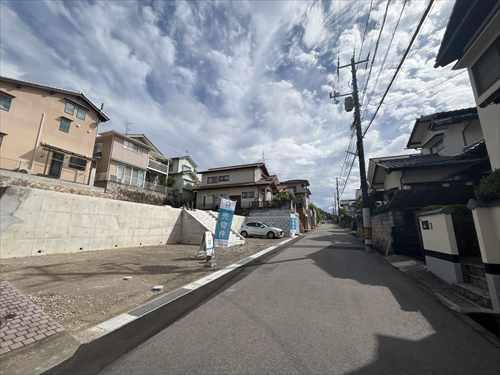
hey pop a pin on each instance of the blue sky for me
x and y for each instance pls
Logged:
(229, 81)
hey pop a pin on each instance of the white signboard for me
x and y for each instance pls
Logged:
(209, 244)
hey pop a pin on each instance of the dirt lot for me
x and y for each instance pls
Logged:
(83, 289)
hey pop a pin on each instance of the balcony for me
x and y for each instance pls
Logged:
(157, 166)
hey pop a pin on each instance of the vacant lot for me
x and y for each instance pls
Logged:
(81, 290)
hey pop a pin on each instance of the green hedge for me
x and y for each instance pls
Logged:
(489, 187)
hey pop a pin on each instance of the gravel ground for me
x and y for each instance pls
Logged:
(83, 289)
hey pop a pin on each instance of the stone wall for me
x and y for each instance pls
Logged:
(275, 217)
(382, 225)
(112, 190)
(135, 194)
(37, 222)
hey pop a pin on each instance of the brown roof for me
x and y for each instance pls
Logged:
(102, 116)
(294, 182)
(135, 141)
(238, 166)
(261, 182)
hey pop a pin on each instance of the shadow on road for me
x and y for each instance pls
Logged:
(438, 353)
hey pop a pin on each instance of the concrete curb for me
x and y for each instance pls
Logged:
(107, 341)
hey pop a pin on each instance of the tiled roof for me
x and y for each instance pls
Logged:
(238, 166)
(419, 161)
(297, 181)
(449, 114)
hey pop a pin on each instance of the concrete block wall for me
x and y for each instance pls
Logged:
(275, 217)
(37, 222)
(382, 231)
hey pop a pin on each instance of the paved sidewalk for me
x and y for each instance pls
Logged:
(21, 321)
(426, 279)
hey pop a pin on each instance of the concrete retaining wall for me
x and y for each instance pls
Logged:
(36, 222)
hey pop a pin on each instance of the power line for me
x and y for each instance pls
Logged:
(443, 82)
(419, 26)
(366, 28)
(385, 56)
(376, 49)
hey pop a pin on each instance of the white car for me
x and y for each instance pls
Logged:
(258, 229)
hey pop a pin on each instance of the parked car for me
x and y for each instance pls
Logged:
(258, 229)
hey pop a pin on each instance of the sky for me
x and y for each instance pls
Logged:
(232, 82)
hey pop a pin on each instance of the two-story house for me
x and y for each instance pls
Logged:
(121, 161)
(299, 190)
(184, 178)
(158, 165)
(472, 41)
(47, 131)
(452, 159)
(451, 153)
(250, 185)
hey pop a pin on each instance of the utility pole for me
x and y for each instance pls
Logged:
(338, 199)
(350, 103)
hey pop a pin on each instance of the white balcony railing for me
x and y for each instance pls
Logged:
(157, 166)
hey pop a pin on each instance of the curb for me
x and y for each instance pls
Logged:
(107, 341)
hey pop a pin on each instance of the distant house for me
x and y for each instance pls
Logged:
(184, 178)
(250, 185)
(123, 162)
(47, 131)
(451, 161)
(158, 165)
(299, 190)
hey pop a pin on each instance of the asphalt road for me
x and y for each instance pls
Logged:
(322, 306)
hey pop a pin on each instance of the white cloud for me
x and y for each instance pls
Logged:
(230, 80)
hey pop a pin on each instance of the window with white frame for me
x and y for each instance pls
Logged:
(129, 175)
(64, 124)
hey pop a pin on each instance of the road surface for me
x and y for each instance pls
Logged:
(322, 306)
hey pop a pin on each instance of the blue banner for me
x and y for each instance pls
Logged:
(224, 222)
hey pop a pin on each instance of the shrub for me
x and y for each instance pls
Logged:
(489, 187)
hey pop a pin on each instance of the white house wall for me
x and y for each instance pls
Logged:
(392, 180)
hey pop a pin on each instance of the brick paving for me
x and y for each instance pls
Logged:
(22, 322)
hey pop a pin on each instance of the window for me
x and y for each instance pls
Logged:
(64, 124)
(5, 102)
(486, 70)
(130, 145)
(80, 113)
(247, 195)
(187, 168)
(129, 176)
(69, 108)
(224, 178)
(212, 180)
(77, 163)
